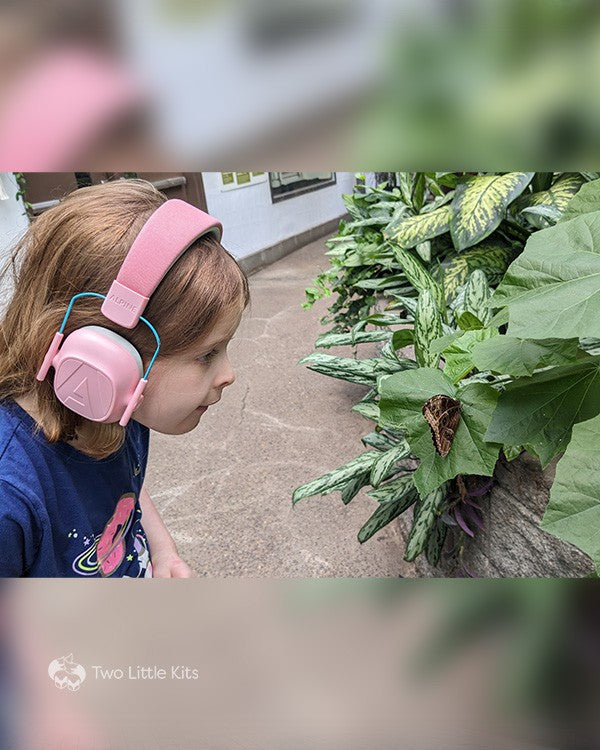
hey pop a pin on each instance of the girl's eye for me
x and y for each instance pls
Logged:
(207, 357)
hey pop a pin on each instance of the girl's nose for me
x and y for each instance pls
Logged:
(226, 375)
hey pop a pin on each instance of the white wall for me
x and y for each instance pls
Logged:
(13, 224)
(13, 221)
(251, 222)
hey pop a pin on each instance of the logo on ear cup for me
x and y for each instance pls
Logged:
(81, 394)
(84, 389)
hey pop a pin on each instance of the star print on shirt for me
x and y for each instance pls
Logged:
(130, 557)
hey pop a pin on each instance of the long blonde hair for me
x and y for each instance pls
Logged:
(79, 245)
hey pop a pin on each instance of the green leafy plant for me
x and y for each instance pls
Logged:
(521, 389)
(22, 193)
(452, 222)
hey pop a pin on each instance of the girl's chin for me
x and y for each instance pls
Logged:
(185, 425)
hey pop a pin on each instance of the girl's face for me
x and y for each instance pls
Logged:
(182, 387)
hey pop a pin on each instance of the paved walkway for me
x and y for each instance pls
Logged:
(225, 489)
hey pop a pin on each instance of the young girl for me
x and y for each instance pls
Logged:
(72, 500)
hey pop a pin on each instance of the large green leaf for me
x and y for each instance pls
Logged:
(573, 513)
(412, 230)
(459, 353)
(586, 201)
(402, 399)
(541, 410)
(552, 289)
(480, 204)
(512, 356)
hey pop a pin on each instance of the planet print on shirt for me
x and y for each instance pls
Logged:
(109, 548)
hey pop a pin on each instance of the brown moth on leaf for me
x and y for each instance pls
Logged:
(443, 416)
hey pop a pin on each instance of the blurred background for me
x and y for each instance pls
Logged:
(321, 664)
(172, 85)
(378, 84)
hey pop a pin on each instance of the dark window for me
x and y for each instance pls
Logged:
(289, 184)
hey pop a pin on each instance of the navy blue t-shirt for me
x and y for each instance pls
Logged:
(63, 513)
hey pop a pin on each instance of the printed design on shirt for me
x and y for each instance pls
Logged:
(143, 553)
(109, 548)
(112, 545)
(86, 564)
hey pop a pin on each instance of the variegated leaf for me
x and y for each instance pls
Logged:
(480, 204)
(477, 295)
(385, 513)
(378, 440)
(423, 250)
(361, 371)
(384, 466)
(410, 231)
(428, 327)
(328, 340)
(425, 516)
(393, 490)
(557, 196)
(405, 303)
(354, 486)
(369, 411)
(493, 259)
(419, 276)
(435, 543)
(338, 478)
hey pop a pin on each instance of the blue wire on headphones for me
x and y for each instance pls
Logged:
(103, 296)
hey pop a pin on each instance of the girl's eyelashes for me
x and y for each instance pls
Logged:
(221, 346)
(203, 358)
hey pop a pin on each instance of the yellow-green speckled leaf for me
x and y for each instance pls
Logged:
(492, 258)
(410, 231)
(479, 205)
(559, 194)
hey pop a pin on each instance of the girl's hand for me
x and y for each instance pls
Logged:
(169, 565)
(166, 563)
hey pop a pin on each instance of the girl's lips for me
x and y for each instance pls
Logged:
(204, 408)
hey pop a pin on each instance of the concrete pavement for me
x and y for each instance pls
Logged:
(224, 490)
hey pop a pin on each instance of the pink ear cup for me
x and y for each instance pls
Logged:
(96, 374)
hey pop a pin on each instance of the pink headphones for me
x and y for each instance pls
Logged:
(98, 373)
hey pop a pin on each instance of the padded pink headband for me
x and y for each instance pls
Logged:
(167, 234)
